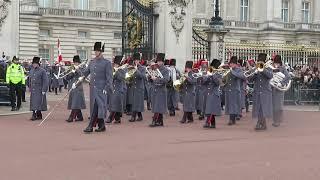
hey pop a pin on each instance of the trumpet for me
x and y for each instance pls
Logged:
(115, 69)
(72, 69)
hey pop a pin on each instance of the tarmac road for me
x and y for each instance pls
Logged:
(133, 151)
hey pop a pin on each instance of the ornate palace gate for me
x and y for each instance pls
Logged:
(200, 46)
(137, 27)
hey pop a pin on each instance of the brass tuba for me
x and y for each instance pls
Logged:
(177, 84)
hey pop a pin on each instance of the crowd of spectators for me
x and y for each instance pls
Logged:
(308, 77)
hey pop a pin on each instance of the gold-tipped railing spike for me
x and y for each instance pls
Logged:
(146, 3)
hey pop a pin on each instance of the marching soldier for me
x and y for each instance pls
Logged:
(172, 93)
(212, 99)
(16, 79)
(76, 97)
(232, 90)
(243, 87)
(38, 85)
(277, 95)
(118, 93)
(100, 71)
(262, 94)
(129, 94)
(200, 90)
(159, 92)
(188, 94)
(147, 87)
(137, 86)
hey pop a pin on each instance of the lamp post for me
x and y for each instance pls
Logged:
(216, 20)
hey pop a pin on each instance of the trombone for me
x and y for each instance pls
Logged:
(72, 69)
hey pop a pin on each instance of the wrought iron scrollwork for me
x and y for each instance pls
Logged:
(4, 10)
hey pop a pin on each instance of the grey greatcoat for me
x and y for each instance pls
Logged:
(159, 92)
(199, 95)
(38, 83)
(189, 93)
(232, 91)
(129, 98)
(172, 97)
(278, 96)
(100, 71)
(76, 96)
(211, 92)
(262, 94)
(243, 85)
(118, 93)
(138, 89)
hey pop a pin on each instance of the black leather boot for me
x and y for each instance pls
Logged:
(79, 116)
(133, 117)
(89, 128)
(212, 122)
(154, 121)
(172, 113)
(140, 118)
(101, 126)
(148, 106)
(34, 116)
(71, 116)
(39, 115)
(207, 124)
(160, 120)
(117, 118)
(184, 118)
(189, 117)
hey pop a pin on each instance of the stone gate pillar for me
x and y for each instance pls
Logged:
(173, 30)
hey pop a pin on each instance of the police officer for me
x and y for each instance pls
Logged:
(188, 91)
(159, 92)
(118, 93)
(76, 97)
(232, 90)
(262, 94)
(16, 79)
(277, 95)
(100, 71)
(38, 85)
(212, 100)
(172, 93)
(137, 86)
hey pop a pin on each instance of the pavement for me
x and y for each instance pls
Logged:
(58, 150)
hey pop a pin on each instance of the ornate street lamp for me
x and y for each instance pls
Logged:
(216, 20)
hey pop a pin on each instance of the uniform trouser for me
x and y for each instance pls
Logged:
(260, 114)
(94, 117)
(23, 93)
(171, 100)
(277, 116)
(247, 103)
(232, 117)
(15, 94)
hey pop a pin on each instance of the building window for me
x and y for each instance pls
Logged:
(44, 32)
(83, 54)
(82, 4)
(44, 54)
(285, 11)
(118, 5)
(82, 34)
(117, 35)
(45, 3)
(244, 10)
(305, 12)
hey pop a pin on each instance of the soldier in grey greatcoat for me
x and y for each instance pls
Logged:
(118, 93)
(243, 86)
(188, 90)
(232, 90)
(212, 99)
(137, 86)
(55, 79)
(201, 101)
(76, 100)
(172, 93)
(100, 71)
(159, 92)
(277, 95)
(262, 94)
(38, 85)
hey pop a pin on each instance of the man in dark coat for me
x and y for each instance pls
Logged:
(212, 99)
(277, 95)
(232, 90)
(118, 93)
(137, 86)
(100, 71)
(76, 100)
(262, 93)
(172, 93)
(159, 92)
(38, 85)
(189, 93)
